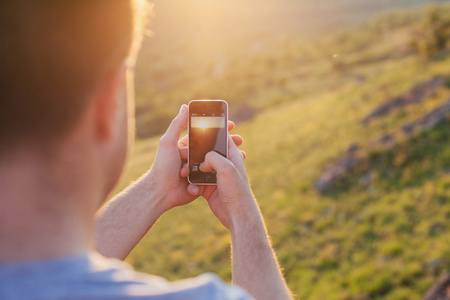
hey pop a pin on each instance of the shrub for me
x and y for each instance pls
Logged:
(430, 37)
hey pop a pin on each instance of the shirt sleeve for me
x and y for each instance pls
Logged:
(204, 287)
(221, 290)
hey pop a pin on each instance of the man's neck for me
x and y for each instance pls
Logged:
(44, 209)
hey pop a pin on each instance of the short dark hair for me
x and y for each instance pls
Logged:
(53, 53)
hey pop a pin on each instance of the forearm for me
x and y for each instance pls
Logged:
(255, 266)
(122, 222)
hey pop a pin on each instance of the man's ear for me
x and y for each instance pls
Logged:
(106, 102)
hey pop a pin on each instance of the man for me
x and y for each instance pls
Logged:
(65, 80)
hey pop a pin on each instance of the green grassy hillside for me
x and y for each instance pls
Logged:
(382, 232)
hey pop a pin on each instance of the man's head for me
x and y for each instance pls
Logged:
(58, 59)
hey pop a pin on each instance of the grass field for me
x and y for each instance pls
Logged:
(382, 238)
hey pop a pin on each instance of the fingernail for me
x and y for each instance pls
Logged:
(181, 109)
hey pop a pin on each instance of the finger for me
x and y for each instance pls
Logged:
(183, 142)
(194, 190)
(216, 162)
(183, 153)
(235, 155)
(184, 171)
(176, 127)
(238, 140)
(244, 154)
(233, 149)
(231, 125)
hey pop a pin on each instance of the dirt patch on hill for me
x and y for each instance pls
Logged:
(441, 291)
(356, 154)
(417, 94)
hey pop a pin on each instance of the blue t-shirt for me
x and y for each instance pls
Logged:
(93, 276)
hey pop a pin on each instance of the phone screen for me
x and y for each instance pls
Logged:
(208, 131)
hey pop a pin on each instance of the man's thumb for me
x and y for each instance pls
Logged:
(176, 126)
(216, 162)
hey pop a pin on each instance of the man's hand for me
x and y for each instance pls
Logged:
(170, 167)
(165, 171)
(226, 198)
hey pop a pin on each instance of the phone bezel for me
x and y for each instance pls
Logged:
(189, 126)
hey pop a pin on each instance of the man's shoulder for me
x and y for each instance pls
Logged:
(95, 277)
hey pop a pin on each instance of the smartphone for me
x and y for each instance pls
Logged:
(207, 131)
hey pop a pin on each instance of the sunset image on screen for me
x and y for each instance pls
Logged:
(207, 122)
